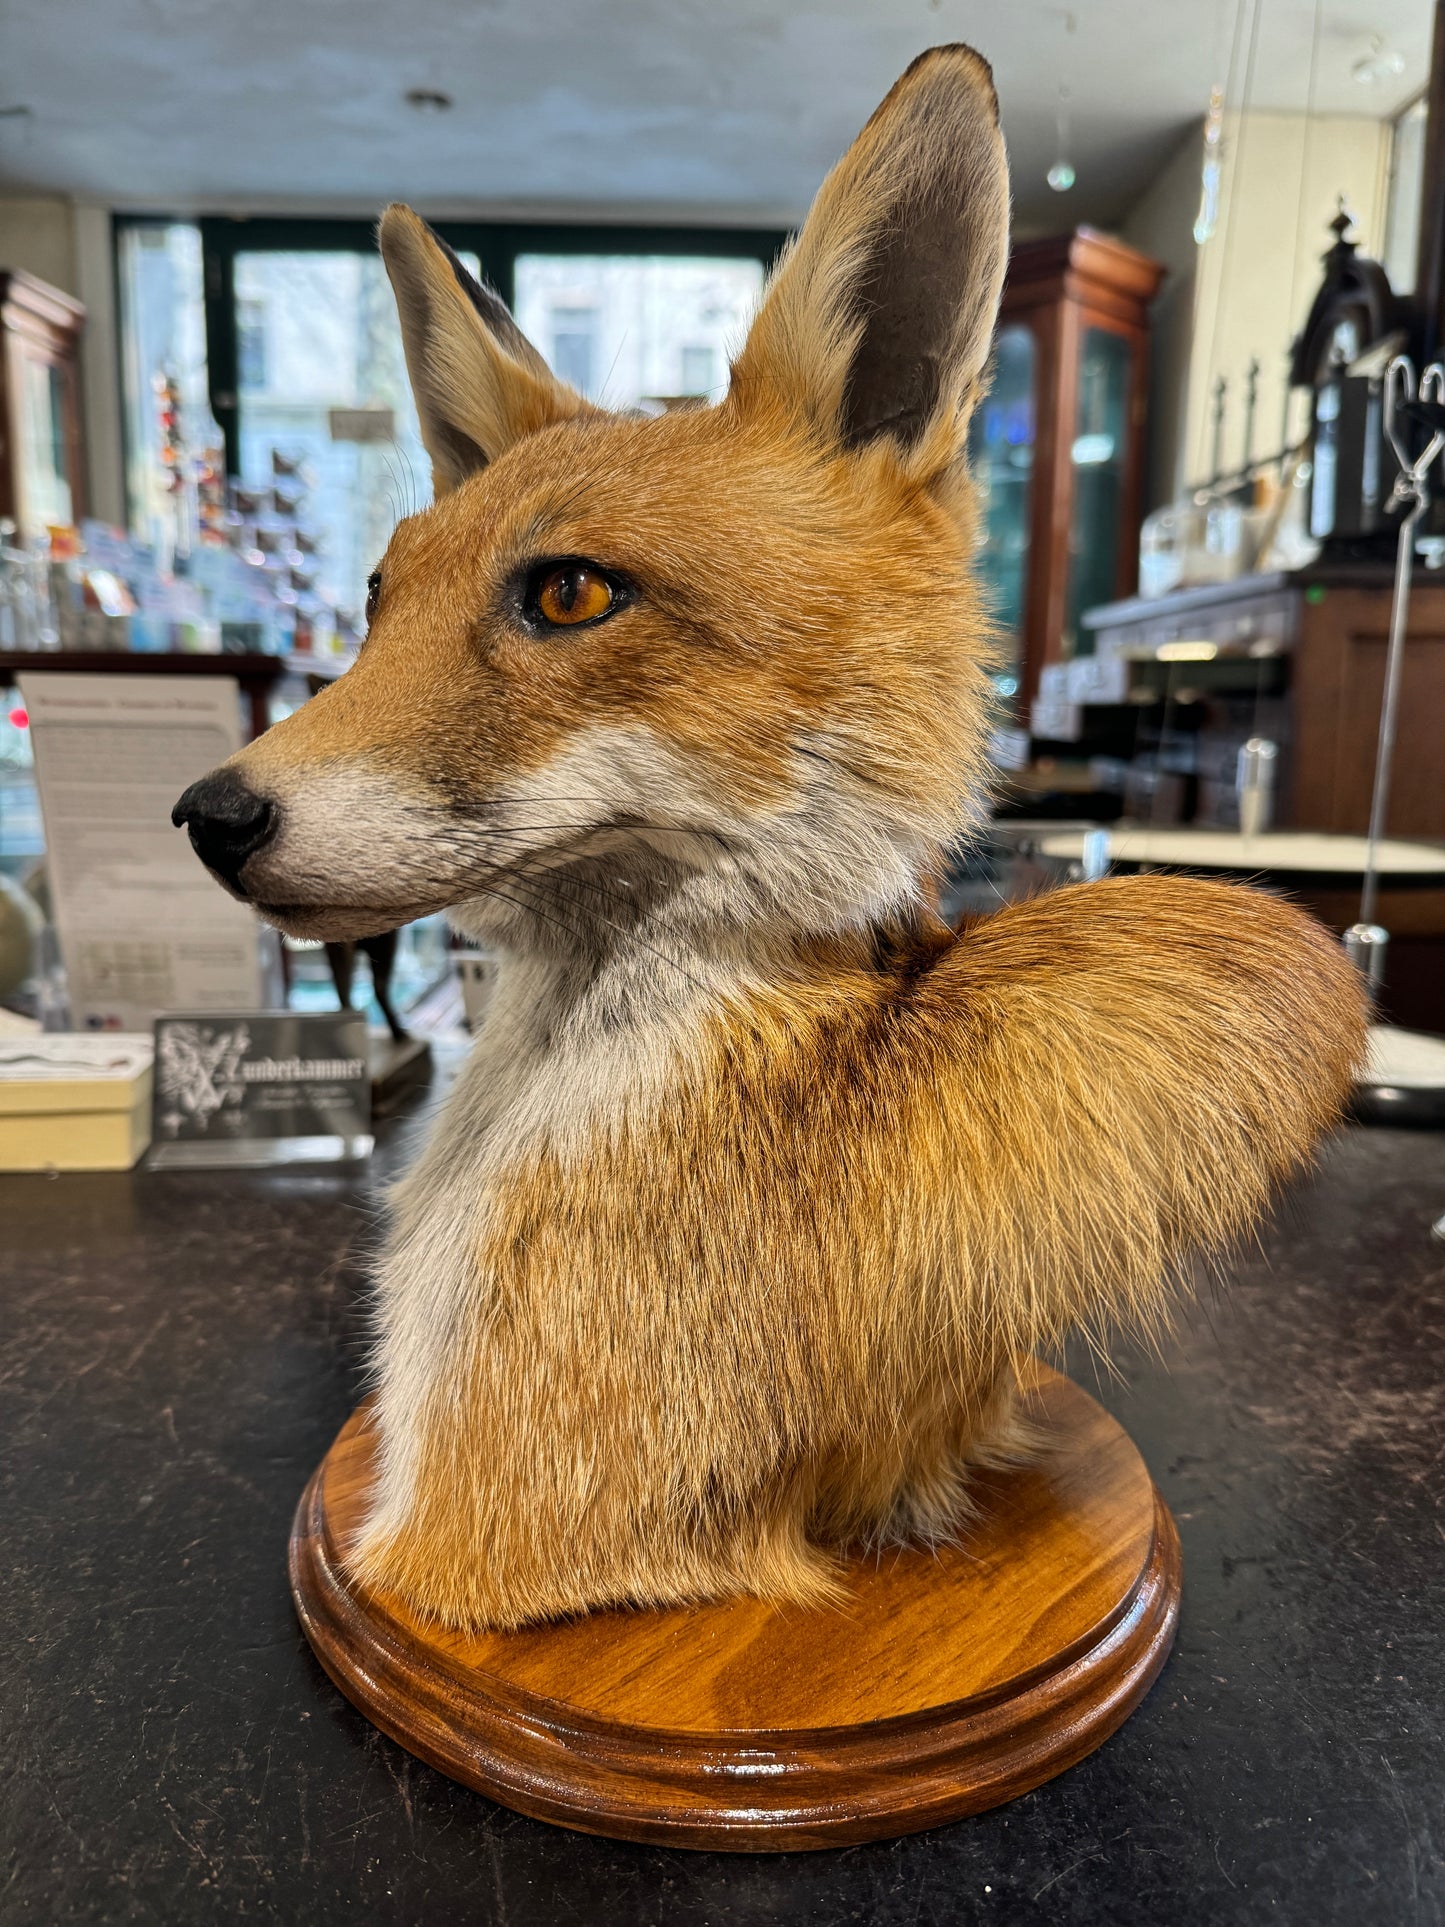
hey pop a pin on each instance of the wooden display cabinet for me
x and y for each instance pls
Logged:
(42, 469)
(1057, 444)
(1301, 659)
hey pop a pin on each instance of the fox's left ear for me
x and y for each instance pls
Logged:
(878, 322)
(479, 383)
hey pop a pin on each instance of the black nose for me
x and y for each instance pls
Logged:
(227, 822)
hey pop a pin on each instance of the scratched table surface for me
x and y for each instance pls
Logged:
(177, 1351)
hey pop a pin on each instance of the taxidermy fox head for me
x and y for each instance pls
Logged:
(739, 641)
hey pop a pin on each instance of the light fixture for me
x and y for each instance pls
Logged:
(1186, 651)
(1380, 63)
(1060, 176)
(428, 100)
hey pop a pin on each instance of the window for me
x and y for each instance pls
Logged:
(163, 371)
(631, 328)
(326, 434)
(574, 341)
(699, 369)
(250, 346)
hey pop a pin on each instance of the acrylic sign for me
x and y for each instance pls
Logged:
(260, 1088)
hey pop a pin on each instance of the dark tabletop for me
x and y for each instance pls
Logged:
(176, 1352)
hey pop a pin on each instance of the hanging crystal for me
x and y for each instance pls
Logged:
(1060, 176)
(1206, 220)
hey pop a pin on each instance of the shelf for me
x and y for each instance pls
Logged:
(119, 662)
(257, 674)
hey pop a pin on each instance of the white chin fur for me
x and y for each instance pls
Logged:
(338, 923)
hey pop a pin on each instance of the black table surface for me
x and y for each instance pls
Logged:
(176, 1352)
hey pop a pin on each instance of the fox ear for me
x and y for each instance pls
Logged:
(479, 383)
(878, 321)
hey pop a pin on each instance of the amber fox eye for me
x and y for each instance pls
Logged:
(564, 595)
(373, 595)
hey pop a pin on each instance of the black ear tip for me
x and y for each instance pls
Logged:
(959, 54)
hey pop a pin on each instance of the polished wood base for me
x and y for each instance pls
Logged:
(946, 1682)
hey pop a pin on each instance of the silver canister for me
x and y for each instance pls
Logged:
(1254, 784)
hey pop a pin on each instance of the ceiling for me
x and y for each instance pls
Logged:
(696, 109)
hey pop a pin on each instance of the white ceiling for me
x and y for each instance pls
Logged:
(699, 109)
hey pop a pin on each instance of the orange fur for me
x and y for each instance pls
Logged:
(778, 1316)
(758, 1192)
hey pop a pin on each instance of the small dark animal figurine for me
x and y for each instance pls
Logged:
(380, 952)
(760, 1186)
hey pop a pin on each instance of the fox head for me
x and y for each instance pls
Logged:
(741, 638)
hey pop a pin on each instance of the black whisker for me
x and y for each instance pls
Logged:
(482, 812)
(546, 916)
(523, 880)
(521, 876)
(517, 903)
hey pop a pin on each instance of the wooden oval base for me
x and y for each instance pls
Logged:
(945, 1683)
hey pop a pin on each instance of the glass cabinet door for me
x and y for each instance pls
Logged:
(1001, 458)
(1099, 457)
(45, 493)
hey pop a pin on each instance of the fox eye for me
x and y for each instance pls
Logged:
(567, 594)
(373, 595)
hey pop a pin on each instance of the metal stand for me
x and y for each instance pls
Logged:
(1378, 1099)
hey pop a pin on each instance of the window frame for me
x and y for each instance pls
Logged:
(496, 245)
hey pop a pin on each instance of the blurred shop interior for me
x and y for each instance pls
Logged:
(1227, 221)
